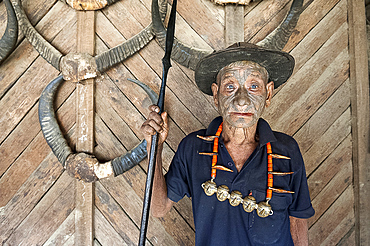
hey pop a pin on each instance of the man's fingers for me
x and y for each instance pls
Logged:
(154, 108)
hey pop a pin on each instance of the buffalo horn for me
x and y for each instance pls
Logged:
(49, 125)
(46, 50)
(278, 38)
(84, 166)
(9, 39)
(190, 56)
(181, 53)
(131, 46)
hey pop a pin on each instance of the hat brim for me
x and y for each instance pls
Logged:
(278, 64)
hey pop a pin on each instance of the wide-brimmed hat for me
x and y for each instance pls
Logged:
(278, 64)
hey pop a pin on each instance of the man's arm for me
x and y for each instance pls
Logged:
(299, 231)
(160, 203)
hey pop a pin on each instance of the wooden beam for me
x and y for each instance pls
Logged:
(84, 224)
(360, 118)
(234, 24)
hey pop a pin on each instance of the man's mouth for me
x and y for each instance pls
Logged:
(241, 114)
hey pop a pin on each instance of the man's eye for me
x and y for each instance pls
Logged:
(230, 87)
(254, 87)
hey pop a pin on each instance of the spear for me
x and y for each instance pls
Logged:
(153, 148)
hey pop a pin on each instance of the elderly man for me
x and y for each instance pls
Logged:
(247, 183)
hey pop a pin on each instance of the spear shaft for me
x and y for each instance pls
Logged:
(154, 145)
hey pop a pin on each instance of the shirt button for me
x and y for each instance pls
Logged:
(230, 164)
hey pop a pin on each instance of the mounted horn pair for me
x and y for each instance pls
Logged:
(81, 165)
(100, 62)
(9, 38)
(189, 56)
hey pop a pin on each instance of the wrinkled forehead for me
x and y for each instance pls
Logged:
(247, 67)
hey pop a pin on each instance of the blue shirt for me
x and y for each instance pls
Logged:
(219, 223)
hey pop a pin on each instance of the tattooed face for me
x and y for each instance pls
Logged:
(242, 93)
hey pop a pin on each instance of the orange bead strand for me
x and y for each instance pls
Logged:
(270, 177)
(215, 150)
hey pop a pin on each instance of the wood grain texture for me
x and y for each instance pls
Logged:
(319, 114)
(234, 20)
(360, 123)
(85, 92)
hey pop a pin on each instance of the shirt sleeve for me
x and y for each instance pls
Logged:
(177, 175)
(301, 206)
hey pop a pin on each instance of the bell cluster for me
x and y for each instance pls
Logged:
(235, 198)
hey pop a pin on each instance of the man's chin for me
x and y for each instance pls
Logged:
(240, 122)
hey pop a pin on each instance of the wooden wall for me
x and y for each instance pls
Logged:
(37, 197)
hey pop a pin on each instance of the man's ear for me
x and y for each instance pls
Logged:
(214, 88)
(270, 90)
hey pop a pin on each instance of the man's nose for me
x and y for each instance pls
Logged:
(242, 98)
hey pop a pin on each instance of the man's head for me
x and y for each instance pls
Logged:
(241, 78)
(241, 93)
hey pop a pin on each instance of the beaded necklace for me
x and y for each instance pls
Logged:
(235, 197)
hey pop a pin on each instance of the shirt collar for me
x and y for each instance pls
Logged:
(263, 128)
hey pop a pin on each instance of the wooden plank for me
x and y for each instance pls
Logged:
(327, 142)
(115, 215)
(330, 167)
(132, 204)
(348, 239)
(302, 109)
(344, 227)
(118, 102)
(105, 233)
(26, 198)
(71, 240)
(319, 34)
(307, 75)
(330, 220)
(308, 19)
(203, 22)
(8, 152)
(142, 68)
(179, 82)
(234, 24)
(130, 115)
(331, 192)
(85, 90)
(65, 232)
(47, 216)
(360, 117)
(323, 118)
(21, 98)
(260, 15)
(108, 92)
(134, 185)
(32, 156)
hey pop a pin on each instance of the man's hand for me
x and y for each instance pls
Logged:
(155, 123)
(160, 203)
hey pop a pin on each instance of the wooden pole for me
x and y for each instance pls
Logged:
(234, 24)
(84, 225)
(359, 78)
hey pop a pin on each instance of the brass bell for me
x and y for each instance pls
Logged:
(222, 193)
(264, 209)
(249, 203)
(236, 198)
(209, 187)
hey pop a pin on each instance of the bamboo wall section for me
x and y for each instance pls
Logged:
(37, 197)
